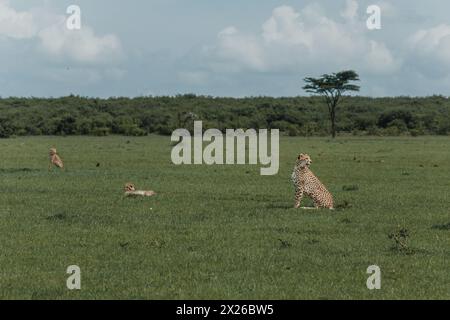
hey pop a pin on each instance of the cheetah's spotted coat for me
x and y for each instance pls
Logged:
(55, 160)
(130, 191)
(306, 182)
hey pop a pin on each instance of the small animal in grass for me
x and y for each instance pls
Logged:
(55, 160)
(306, 183)
(130, 191)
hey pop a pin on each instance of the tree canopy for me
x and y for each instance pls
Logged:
(332, 87)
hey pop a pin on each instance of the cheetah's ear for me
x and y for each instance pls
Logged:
(301, 155)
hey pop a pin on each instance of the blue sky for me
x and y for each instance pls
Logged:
(221, 48)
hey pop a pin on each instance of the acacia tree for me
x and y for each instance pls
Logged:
(332, 87)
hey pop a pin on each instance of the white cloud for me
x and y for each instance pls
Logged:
(433, 42)
(284, 27)
(238, 47)
(304, 41)
(350, 13)
(388, 10)
(82, 46)
(14, 24)
(430, 50)
(379, 59)
(79, 45)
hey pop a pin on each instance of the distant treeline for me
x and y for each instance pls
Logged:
(294, 116)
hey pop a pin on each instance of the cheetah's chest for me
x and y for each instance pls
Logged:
(305, 179)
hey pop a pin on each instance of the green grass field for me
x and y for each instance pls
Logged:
(223, 232)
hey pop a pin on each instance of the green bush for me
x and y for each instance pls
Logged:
(101, 132)
(294, 116)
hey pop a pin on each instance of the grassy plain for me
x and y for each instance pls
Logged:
(223, 232)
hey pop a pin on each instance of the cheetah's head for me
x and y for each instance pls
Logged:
(52, 151)
(129, 187)
(303, 160)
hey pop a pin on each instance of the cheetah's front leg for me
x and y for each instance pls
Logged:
(298, 197)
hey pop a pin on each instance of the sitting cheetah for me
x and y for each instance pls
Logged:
(130, 191)
(55, 160)
(306, 182)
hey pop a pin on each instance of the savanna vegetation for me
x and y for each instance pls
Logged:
(224, 232)
(294, 116)
(332, 87)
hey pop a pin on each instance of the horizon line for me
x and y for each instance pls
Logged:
(194, 95)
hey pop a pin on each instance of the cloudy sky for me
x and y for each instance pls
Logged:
(221, 48)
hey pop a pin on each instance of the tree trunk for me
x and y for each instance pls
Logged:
(333, 121)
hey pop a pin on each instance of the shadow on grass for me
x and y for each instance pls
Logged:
(441, 226)
(352, 187)
(72, 219)
(57, 217)
(17, 170)
(284, 244)
(342, 205)
(283, 206)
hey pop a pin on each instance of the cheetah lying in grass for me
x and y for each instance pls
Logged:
(306, 182)
(130, 191)
(55, 160)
